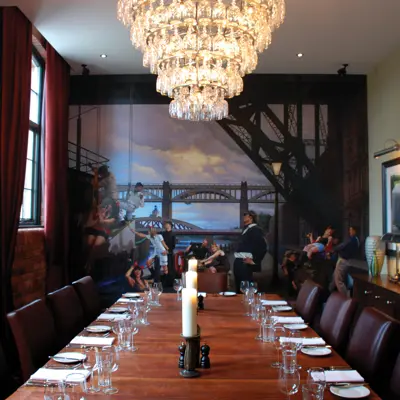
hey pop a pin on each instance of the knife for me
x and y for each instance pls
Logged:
(347, 385)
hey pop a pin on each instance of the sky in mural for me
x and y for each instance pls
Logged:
(144, 144)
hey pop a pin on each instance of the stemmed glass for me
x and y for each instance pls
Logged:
(178, 287)
(279, 331)
(244, 287)
(89, 363)
(289, 382)
(144, 308)
(261, 317)
(298, 339)
(316, 375)
(157, 290)
(253, 287)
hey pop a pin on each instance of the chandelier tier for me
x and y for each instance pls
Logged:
(201, 49)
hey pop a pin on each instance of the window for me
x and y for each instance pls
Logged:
(31, 205)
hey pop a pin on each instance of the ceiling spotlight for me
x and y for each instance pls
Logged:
(299, 55)
(387, 150)
(103, 55)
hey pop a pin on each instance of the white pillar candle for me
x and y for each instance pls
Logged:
(189, 312)
(192, 265)
(191, 280)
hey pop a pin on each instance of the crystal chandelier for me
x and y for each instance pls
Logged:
(201, 49)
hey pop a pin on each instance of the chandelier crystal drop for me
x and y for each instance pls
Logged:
(201, 49)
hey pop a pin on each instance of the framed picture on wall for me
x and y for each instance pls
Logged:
(391, 196)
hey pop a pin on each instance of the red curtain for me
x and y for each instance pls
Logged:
(15, 76)
(56, 168)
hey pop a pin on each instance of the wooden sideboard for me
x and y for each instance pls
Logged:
(377, 292)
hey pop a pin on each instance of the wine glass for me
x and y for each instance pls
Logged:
(244, 287)
(253, 287)
(316, 375)
(298, 340)
(89, 363)
(289, 382)
(178, 287)
(279, 331)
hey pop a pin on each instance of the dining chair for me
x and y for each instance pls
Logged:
(67, 312)
(89, 296)
(212, 283)
(395, 380)
(34, 332)
(373, 348)
(309, 301)
(336, 320)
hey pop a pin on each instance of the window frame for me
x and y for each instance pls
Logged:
(36, 129)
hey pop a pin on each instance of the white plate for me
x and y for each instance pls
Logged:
(131, 295)
(228, 294)
(282, 308)
(118, 310)
(357, 392)
(98, 328)
(295, 327)
(316, 351)
(69, 358)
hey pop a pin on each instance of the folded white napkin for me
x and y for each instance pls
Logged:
(93, 341)
(273, 302)
(112, 317)
(288, 320)
(44, 374)
(204, 294)
(305, 341)
(130, 300)
(341, 376)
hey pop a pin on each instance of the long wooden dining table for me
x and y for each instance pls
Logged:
(240, 365)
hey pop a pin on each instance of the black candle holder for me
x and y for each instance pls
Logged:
(200, 302)
(192, 357)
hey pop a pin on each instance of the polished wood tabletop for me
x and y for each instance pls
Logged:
(240, 365)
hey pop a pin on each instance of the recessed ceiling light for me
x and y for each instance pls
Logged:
(299, 55)
(103, 55)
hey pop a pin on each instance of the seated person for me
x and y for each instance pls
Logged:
(217, 262)
(289, 266)
(199, 251)
(160, 250)
(134, 276)
(319, 245)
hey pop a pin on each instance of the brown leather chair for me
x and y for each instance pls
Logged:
(67, 312)
(212, 283)
(373, 348)
(336, 321)
(89, 297)
(395, 381)
(34, 333)
(309, 300)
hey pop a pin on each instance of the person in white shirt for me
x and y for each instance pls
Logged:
(160, 250)
(133, 200)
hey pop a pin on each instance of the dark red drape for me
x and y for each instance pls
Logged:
(56, 168)
(15, 85)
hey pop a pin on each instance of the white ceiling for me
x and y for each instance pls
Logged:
(327, 32)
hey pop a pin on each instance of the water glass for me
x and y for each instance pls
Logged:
(261, 315)
(248, 303)
(279, 331)
(105, 363)
(313, 391)
(89, 363)
(76, 386)
(244, 287)
(253, 287)
(55, 390)
(115, 354)
(289, 358)
(317, 375)
(268, 331)
(143, 310)
(298, 337)
(289, 382)
(178, 287)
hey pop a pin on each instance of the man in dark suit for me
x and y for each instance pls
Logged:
(251, 250)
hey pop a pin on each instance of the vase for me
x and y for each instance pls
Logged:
(375, 251)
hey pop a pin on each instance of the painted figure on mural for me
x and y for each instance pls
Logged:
(133, 200)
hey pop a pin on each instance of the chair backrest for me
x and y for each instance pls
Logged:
(212, 283)
(395, 381)
(34, 333)
(336, 320)
(67, 313)
(89, 297)
(373, 347)
(309, 300)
